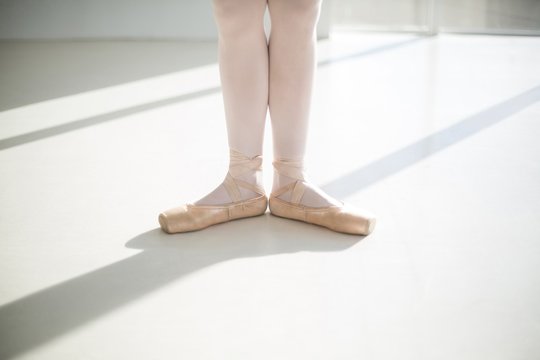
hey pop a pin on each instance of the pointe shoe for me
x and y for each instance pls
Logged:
(190, 217)
(343, 218)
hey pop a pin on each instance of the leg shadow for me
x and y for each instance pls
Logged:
(408, 155)
(42, 316)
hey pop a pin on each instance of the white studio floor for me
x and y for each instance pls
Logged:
(439, 136)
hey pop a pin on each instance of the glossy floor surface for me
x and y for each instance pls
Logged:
(439, 136)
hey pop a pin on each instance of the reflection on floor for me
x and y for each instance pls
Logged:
(436, 135)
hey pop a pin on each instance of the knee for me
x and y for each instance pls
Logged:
(237, 17)
(295, 15)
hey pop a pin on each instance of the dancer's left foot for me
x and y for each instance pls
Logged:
(295, 197)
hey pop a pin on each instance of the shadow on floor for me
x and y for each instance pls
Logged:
(409, 155)
(35, 319)
(99, 119)
(34, 71)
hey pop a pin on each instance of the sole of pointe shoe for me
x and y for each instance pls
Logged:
(336, 218)
(190, 217)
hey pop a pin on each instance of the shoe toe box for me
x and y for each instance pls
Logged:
(355, 220)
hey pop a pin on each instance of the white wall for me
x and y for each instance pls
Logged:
(52, 19)
(91, 19)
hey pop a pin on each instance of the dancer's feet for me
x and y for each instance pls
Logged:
(240, 195)
(295, 197)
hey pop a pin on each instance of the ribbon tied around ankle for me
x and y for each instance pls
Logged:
(239, 163)
(291, 168)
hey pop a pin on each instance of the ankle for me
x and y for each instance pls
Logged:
(244, 180)
(287, 171)
(291, 168)
(280, 181)
(244, 168)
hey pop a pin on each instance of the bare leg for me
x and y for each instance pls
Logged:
(243, 65)
(292, 55)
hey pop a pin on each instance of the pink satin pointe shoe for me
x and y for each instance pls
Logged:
(190, 217)
(343, 218)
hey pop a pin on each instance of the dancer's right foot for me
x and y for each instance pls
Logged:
(240, 195)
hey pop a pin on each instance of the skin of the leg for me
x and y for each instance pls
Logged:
(243, 66)
(292, 66)
(292, 56)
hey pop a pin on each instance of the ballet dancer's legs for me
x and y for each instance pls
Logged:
(254, 76)
(292, 56)
(243, 65)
